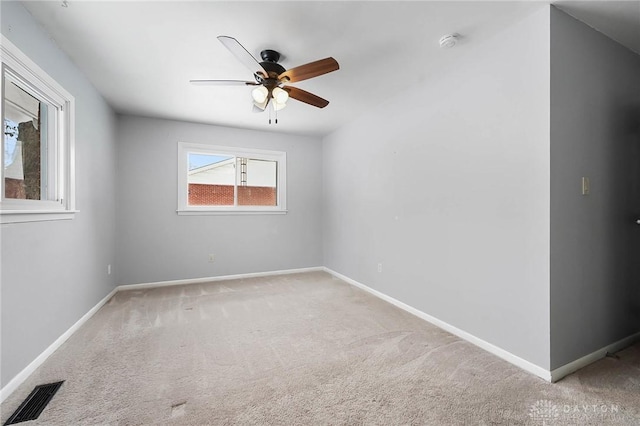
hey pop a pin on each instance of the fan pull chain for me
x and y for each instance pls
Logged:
(276, 113)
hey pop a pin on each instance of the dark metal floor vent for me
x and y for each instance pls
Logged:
(31, 407)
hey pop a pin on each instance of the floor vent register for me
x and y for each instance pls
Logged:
(37, 400)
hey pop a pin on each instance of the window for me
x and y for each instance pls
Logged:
(37, 147)
(218, 179)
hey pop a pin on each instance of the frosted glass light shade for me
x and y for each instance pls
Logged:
(280, 95)
(259, 94)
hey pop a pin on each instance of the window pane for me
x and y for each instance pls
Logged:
(25, 145)
(258, 183)
(211, 179)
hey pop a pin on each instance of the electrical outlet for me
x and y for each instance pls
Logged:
(212, 258)
(109, 269)
(379, 267)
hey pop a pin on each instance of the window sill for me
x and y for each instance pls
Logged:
(227, 212)
(20, 216)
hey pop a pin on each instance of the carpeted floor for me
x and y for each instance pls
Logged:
(303, 349)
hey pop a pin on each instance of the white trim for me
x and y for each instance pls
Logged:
(227, 212)
(25, 73)
(551, 376)
(579, 363)
(219, 278)
(20, 216)
(15, 58)
(501, 353)
(13, 384)
(26, 372)
(184, 209)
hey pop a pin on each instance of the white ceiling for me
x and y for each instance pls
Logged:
(141, 55)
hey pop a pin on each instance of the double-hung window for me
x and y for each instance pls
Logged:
(218, 179)
(37, 146)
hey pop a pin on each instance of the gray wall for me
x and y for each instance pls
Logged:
(447, 185)
(452, 186)
(595, 132)
(155, 244)
(54, 272)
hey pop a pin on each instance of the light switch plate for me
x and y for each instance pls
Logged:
(585, 186)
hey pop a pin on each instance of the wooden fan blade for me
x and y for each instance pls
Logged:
(223, 83)
(306, 97)
(242, 54)
(310, 70)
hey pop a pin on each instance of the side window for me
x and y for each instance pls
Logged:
(216, 179)
(37, 147)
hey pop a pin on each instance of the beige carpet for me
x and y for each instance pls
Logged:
(303, 349)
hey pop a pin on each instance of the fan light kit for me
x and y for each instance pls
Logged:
(271, 78)
(448, 41)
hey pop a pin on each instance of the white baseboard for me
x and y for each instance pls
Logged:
(13, 384)
(579, 363)
(552, 376)
(507, 356)
(219, 278)
(26, 372)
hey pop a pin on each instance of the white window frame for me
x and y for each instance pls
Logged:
(60, 141)
(185, 148)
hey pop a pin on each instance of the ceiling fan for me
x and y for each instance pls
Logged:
(271, 77)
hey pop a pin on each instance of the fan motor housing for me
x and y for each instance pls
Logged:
(272, 67)
(270, 62)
